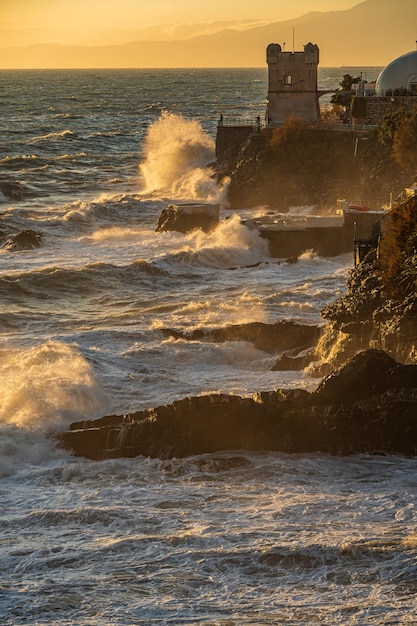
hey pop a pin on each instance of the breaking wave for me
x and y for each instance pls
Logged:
(58, 135)
(48, 385)
(177, 152)
(229, 246)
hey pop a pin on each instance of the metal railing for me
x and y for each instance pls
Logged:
(241, 121)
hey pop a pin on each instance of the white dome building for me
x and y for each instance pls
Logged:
(400, 74)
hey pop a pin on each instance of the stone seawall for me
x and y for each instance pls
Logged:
(371, 111)
(230, 138)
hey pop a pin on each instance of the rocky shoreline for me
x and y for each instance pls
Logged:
(366, 352)
(301, 164)
(379, 308)
(369, 405)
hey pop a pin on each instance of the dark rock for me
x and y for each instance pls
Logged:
(26, 240)
(187, 217)
(272, 338)
(288, 363)
(368, 406)
(372, 313)
(359, 378)
(12, 191)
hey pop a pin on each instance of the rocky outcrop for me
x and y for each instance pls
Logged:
(184, 218)
(370, 315)
(273, 338)
(12, 190)
(369, 405)
(25, 240)
(309, 166)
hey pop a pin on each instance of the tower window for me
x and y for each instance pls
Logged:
(288, 79)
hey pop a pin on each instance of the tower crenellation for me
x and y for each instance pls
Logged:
(292, 84)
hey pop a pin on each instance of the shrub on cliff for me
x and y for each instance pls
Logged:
(389, 126)
(315, 151)
(405, 142)
(399, 132)
(398, 249)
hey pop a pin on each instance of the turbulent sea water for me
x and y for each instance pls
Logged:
(235, 538)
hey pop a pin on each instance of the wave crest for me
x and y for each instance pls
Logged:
(177, 152)
(48, 386)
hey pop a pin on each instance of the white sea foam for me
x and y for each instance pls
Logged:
(48, 386)
(115, 234)
(57, 135)
(231, 244)
(177, 152)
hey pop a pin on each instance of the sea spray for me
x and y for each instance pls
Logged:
(177, 152)
(48, 386)
(231, 244)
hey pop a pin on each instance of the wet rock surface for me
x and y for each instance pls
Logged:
(287, 174)
(281, 336)
(369, 405)
(368, 317)
(25, 240)
(185, 218)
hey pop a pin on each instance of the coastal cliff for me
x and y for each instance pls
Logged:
(366, 354)
(366, 402)
(299, 164)
(369, 405)
(379, 309)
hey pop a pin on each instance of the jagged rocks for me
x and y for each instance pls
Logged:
(366, 374)
(26, 240)
(370, 405)
(186, 217)
(273, 338)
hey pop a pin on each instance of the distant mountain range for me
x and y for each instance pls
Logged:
(371, 33)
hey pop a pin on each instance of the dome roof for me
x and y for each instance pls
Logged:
(399, 74)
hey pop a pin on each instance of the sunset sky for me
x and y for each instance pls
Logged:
(193, 33)
(78, 15)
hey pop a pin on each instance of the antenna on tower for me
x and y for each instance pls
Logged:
(293, 37)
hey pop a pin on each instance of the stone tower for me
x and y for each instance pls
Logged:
(292, 84)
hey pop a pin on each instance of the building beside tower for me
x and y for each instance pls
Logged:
(292, 84)
(395, 90)
(293, 93)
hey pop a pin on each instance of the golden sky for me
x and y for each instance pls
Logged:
(79, 15)
(194, 33)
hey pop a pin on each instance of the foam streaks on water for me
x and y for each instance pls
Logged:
(217, 528)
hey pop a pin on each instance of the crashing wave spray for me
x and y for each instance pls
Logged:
(177, 153)
(231, 244)
(48, 386)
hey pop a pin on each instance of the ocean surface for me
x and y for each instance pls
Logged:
(88, 159)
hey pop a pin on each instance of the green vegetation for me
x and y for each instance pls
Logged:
(405, 141)
(314, 150)
(398, 249)
(358, 108)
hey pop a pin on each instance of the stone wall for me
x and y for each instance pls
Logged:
(371, 111)
(231, 138)
(292, 84)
